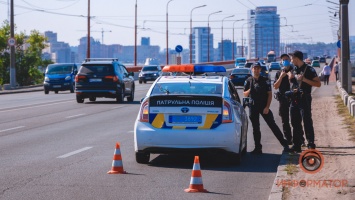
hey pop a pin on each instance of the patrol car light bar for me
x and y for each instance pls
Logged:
(194, 68)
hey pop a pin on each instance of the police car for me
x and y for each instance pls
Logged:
(192, 114)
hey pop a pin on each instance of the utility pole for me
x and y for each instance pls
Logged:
(345, 51)
(12, 49)
(88, 39)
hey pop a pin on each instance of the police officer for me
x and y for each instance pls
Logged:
(282, 83)
(301, 108)
(258, 88)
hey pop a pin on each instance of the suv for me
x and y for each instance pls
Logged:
(104, 77)
(59, 77)
(149, 73)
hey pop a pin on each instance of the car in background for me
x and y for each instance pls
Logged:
(104, 77)
(240, 65)
(308, 61)
(316, 58)
(193, 114)
(265, 72)
(60, 77)
(248, 64)
(239, 75)
(322, 60)
(315, 63)
(240, 60)
(274, 66)
(149, 73)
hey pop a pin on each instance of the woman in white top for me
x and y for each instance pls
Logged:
(326, 73)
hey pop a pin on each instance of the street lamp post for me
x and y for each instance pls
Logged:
(167, 34)
(233, 37)
(222, 35)
(208, 38)
(243, 39)
(135, 36)
(191, 30)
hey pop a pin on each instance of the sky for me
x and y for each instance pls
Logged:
(112, 21)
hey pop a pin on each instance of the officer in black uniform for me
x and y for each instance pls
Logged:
(301, 107)
(282, 83)
(258, 88)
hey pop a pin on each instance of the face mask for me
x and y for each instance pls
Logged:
(286, 63)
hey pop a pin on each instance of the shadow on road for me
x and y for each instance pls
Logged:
(265, 163)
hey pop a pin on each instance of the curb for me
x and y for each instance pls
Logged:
(23, 90)
(276, 191)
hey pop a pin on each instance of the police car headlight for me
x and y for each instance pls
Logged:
(46, 79)
(140, 75)
(68, 78)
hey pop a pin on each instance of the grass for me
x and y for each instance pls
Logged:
(348, 120)
(291, 169)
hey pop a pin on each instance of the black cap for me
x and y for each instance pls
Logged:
(257, 64)
(285, 54)
(297, 54)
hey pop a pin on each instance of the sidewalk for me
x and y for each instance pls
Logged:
(34, 88)
(333, 141)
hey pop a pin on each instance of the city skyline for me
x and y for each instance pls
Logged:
(115, 23)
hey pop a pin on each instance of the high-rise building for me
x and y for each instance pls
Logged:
(263, 31)
(227, 50)
(200, 45)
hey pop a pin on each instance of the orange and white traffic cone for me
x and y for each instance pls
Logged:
(196, 184)
(117, 165)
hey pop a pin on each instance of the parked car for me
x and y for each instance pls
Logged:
(60, 77)
(104, 77)
(322, 60)
(149, 73)
(315, 63)
(274, 66)
(191, 114)
(239, 75)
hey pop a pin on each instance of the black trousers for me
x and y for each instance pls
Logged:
(326, 79)
(284, 112)
(254, 113)
(302, 111)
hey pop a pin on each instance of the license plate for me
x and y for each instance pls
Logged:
(148, 77)
(185, 119)
(57, 86)
(95, 80)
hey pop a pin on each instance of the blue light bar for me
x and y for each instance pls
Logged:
(208, 68)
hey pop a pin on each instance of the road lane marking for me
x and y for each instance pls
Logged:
(74, 152)
(12, 129)
(74, 116)
(117, 107)
(32, 106)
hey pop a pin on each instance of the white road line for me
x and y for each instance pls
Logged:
(12, 129)
(117, 107)
(74, 152)
(34, 106)
(74, 116)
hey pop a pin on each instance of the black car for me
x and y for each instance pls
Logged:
(104, 78)
(239, 75)
(149, 73)
(322, 60)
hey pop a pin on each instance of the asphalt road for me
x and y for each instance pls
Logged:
(54, 148)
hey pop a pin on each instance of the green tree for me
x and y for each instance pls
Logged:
(28, 51)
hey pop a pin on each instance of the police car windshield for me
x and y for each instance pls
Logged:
(187, 88)
(64, 69)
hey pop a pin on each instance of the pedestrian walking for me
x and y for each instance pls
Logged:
(326, 73)
(258, 88)
(336, 70)
(301, 105)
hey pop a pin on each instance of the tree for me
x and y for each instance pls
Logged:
(28, 51)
